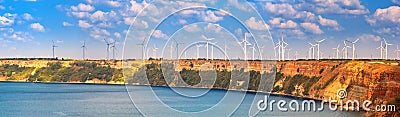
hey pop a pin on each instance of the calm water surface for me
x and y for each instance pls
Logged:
(42, 99)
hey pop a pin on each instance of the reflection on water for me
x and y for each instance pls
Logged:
(39, 99)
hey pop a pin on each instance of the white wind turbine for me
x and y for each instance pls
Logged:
(212, 50)
(198, 54)
(253, 50)
(337, 51)
(345, 53)
(278, 45)
(53, 47)
(113, 49)
(108, 48)
(288, 55)
(381, 49)
(386, 48)
(311, 52)
(283, 47)
(295, 55)
(245, 44)
(207, 43)
(155, 51)
(318, 51)
(83, 50)
(143, 48)
(353, 47)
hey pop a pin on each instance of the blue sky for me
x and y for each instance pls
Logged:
(28, 27)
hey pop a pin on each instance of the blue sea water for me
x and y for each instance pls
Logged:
(51, 99)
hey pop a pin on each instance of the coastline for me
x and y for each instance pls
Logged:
(213, 88)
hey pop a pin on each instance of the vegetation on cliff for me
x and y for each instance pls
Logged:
(55, 72)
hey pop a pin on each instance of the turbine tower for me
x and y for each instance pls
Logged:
(108, 48)
(212, 50)
(318, 51)
(337, 51)
(143, 48)
(207, 43)
(283, 47)
(252, 46)
(278, 45)
(83, 50)
(381, 49)
(288, 55)
(353, 47)
(386, 48)
(345, 53)
(311, 52)
(155, 51)
(113, 49)
(245, 44)
(198, 46)
(53, 47)
(177, 47)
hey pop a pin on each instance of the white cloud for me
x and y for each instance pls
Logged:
(82, 7)
(182, 21)
(238, 5)
(27, 16)
(4, 21)
(396, 1)
(381, 16)
(328, 22)
(209, 16)
(84, 24)
(159, 34)
(275, 21)
(117, 35)
(114, 3)
(369, 37)
(67, 24)
(213, 27)
(353, 7)
(80, 14)
(191, 28)
(2, 7)
(254, 24)
(311, 27)
(37, 27)
(387, 20)
(102, 16)
(288, 24)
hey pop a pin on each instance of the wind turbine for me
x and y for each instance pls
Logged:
(252, 46)
(283, 46)
(212, 50)
(155, 51)
(198, 46)
(177, 47)
(295, 55)
(288, 50)
(278, 45)
(381, 49)
(83, 50)
(311, 53)
(108, 48)
(337, 51)
(353, 46)
(143, 48)
(345, 53)
(53, 47)
(318, 51)
(207, 42)
(113, 49)
(386, 48)
(245, 44)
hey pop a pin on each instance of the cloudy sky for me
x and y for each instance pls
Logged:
(27, 28)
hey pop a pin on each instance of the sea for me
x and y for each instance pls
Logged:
(93, 100)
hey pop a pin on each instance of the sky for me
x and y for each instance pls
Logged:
(27, 28)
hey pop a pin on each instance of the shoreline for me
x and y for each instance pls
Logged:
(213, 88)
